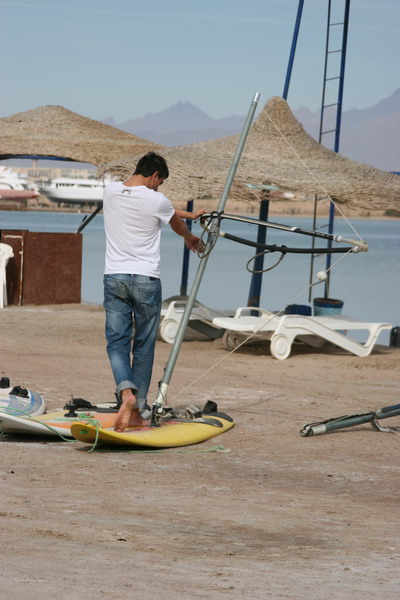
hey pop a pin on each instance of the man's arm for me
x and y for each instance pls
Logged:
(193, 242)
(184, 214)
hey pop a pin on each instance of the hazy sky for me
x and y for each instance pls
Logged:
(125, 58)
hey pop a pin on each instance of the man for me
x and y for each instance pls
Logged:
(133, 214)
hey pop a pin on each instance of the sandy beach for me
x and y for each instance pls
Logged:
(259, 512)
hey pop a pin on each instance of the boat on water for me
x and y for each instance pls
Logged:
(17, 195)
(15, 188)
(11, 180)
(71, 190)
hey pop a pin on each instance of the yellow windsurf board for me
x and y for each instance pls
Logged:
(170, 434)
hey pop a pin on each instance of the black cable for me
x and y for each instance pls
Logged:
(284, 249)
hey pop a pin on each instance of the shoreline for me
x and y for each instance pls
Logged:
(303, 208)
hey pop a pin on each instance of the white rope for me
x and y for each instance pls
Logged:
(310, 172)
(263, 323)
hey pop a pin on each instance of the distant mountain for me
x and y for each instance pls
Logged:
(370, 135)
(182, 123)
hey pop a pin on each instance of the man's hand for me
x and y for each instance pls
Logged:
(195, 244)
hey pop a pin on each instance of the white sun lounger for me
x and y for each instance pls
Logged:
(201, 319)
(6, 252)
(282, 331)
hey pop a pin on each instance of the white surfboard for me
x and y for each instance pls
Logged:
(20, 401)
(58, 421)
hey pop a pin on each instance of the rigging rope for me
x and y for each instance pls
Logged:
(254, 333)
(310, 172)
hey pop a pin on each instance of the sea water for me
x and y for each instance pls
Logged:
(368, 283)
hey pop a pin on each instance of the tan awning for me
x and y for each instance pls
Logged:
(56, 131)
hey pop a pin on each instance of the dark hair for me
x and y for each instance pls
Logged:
(150, 163)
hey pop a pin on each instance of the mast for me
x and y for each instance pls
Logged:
(157, 408)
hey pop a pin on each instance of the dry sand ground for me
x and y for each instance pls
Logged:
(272, 515)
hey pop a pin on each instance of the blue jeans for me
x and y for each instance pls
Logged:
(132, 304)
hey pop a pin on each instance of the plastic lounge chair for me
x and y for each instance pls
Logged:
(6, 252)
(201, 319)
(283, 330)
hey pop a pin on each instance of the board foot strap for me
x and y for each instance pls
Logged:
(194, 414)
(205, 420)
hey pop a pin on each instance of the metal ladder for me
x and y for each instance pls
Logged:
(325, 129)
(255, 287)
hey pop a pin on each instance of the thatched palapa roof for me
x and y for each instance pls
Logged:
(277, 150)
(57, 131)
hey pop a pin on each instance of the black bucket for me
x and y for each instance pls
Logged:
(298, 309)
(395, 337)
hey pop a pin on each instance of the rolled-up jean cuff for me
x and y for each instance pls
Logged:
(126, 385)
(141, 403)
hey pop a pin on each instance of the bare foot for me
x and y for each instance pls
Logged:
(128, 415)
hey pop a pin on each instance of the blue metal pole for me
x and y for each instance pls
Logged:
(342, 69)
(256, 278)
(293, 49)
(186, 255)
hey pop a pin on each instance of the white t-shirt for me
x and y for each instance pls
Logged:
(132, 220)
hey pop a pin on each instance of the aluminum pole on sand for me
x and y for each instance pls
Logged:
(350, 420)
(157, 408)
